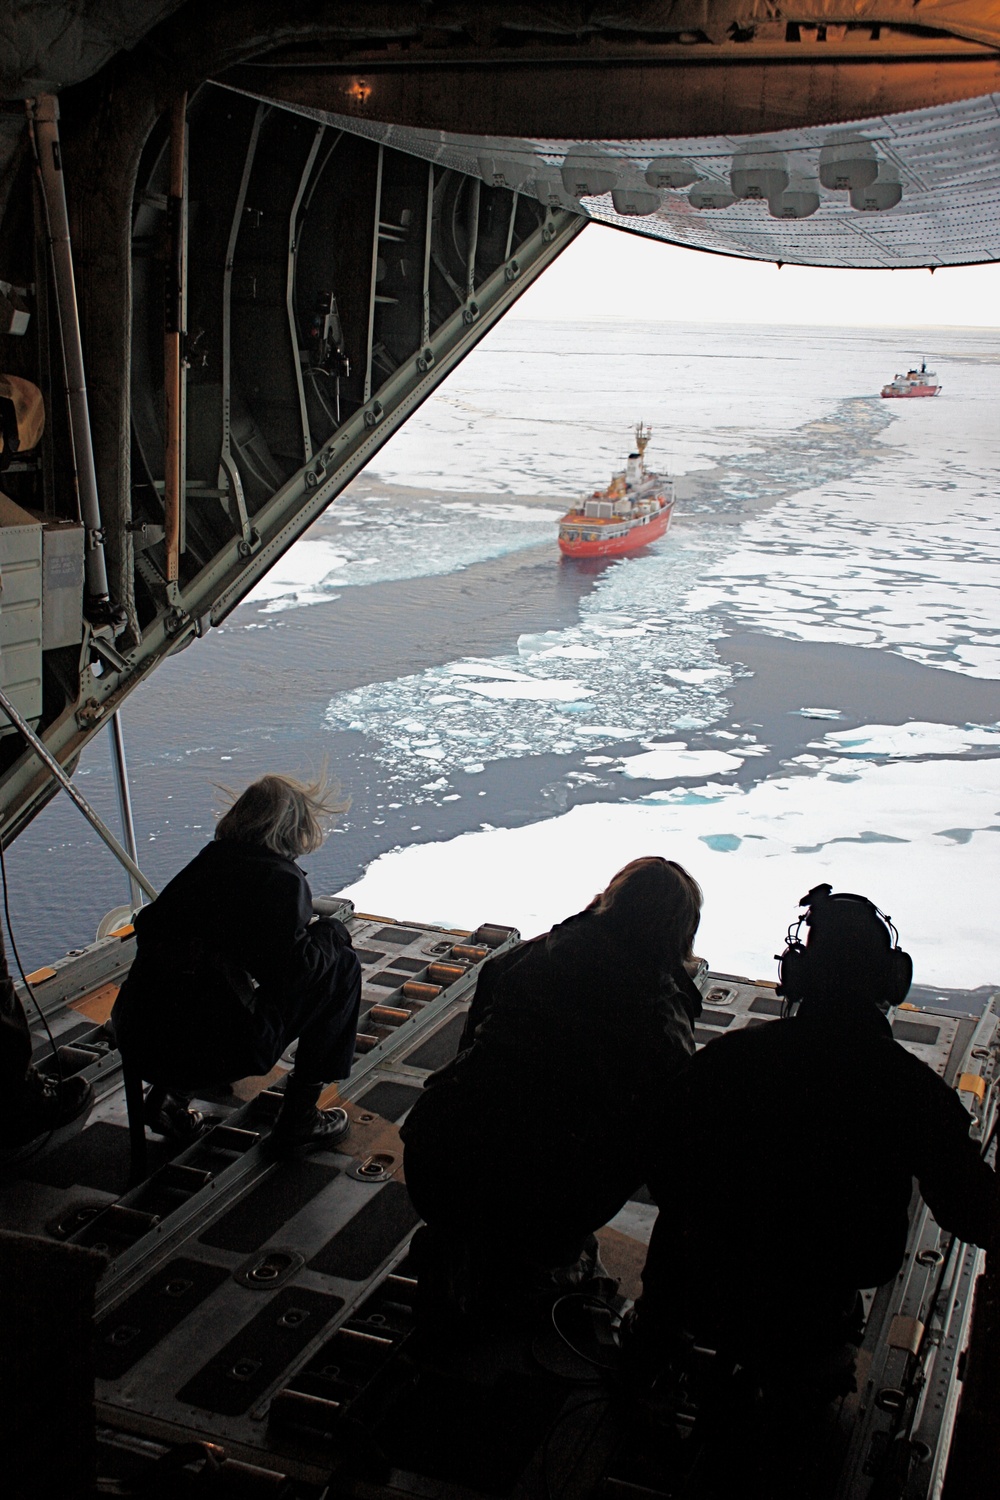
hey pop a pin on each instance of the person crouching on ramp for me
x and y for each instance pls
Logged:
(232, 966)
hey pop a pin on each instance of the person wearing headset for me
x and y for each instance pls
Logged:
(787, 1157)
(533, 1137)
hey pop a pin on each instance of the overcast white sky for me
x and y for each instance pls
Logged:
(608, 273)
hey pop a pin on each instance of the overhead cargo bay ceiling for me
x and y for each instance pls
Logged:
(526, 93)
(914, 189)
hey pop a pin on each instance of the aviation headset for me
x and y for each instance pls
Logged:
(796, 966)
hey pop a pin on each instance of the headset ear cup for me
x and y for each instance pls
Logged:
(793, 969)
(902, 975)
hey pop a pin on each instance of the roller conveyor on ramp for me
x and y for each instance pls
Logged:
(267, 1308)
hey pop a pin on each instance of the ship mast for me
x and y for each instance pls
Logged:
(643, 433)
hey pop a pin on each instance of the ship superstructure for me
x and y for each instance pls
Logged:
(633, 511)
(922, 382)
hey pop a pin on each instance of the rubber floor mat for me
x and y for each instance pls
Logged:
(96, 1158)
(138, 1324)
(766, 1005)
(258, 1217)
(480, 1436)
(356, 1251)
(439, 1048)
(390, 1100)
(912, 1031)
(400, 935)
(235, 1378)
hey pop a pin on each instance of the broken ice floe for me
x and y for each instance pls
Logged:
(903, 554)
(372, 539)
(603, 677)
(893, 741)
(670, 762)
(754, 850)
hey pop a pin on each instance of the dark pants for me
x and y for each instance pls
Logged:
(185, 1038)
(798, 1336)
(478, 1172)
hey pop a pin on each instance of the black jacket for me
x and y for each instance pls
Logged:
(788, 1153)
(569, 1050)
(575, 1014)
(229, 952)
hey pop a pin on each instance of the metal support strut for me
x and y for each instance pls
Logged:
(99, 827)
(125, 804)
(174, 332)
(43, 119)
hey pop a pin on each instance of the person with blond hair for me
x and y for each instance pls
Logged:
(232, 966)
(541, 1124)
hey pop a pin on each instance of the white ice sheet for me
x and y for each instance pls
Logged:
(898, 833)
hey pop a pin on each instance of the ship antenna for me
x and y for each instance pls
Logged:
(643, 433)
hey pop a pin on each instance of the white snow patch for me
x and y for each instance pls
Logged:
(915, 738)
(297, 578)
(894, 832)
(670, 761)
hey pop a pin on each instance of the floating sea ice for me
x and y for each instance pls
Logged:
(483, 669)
(668, 763)
(612, 731)
(533, 645)
(550, 690)
(553, 644)
(819, 713)
(505, 512)
(697, 674)
(572, 653)
(794, 831)
(299, 576)
(556, 690)
(916, 738)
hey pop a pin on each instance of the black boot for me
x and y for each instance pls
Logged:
(300, 1126)
(167, 1113)
(44, 1105)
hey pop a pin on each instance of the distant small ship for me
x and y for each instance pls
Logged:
(922, 382)
(633, 511)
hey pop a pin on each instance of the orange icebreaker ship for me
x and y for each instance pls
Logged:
(633, 511)
(922, 382)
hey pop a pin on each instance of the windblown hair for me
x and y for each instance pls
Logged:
(279, 813)
(655, 904)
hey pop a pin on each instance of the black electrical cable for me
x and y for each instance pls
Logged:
(586, 1298)
(20, 969)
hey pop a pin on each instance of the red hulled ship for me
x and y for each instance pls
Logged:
(633, 511)
(922, 382)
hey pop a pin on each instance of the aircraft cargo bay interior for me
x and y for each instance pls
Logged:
(353, 1186)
